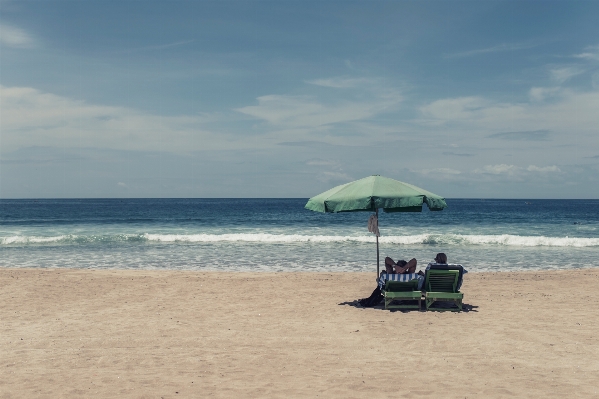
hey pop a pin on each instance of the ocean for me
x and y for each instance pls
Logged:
(280, 235)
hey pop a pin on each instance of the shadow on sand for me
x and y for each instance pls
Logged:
(381, 306)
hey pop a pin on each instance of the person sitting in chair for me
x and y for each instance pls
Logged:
(401, 267)
(441, 258)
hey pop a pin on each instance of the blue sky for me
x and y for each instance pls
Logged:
(287, 99)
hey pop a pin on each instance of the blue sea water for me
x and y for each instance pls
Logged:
(280, 235)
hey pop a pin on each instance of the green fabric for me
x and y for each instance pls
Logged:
(374, 192)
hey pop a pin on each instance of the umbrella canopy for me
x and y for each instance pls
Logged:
(373, 193)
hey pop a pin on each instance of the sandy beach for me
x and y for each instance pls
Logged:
(170, 334)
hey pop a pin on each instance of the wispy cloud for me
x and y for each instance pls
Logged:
(306, 111)
(31, 117)
(38, 155)
(314, 112)
(161, 46)
(590, 53)
(457, 154)
(455, 108)
(441, 171)
(543, 169)
(306, 143)
(539, 94)
(322, 162)
(12, 36)
(341, 82)
(493, 49)
(501, 169)
(561, 75)
(292, 112)
(522, 121)
(517, 171)
(535, 135)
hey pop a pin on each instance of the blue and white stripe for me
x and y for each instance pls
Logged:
(399, 277)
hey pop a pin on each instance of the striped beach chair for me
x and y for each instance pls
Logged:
(401, 287)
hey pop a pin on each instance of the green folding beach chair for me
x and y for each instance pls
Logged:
(441, 286)
(402, 291)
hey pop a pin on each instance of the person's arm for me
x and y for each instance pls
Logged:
(389, 265)
(410, 265)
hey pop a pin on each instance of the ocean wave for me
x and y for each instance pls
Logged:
(70, 239)
(507, 240)
(422, 239)
(30, 240)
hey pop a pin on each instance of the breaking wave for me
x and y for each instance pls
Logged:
(423, 239)
(420, 239)
(71, 239)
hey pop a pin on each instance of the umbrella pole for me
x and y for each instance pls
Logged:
(377, 245)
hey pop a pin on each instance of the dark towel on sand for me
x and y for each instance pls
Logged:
(374, 299)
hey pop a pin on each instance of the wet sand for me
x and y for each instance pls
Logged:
(172, 334)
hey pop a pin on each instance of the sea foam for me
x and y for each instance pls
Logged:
(422, 239)
(507, 240)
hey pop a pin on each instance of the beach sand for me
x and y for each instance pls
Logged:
(178, 334)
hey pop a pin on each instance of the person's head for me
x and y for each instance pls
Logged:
(401, 263)
(441, 258)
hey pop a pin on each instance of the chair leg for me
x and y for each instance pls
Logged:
(428, 303)
(458, 302)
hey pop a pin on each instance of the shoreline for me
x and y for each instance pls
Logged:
(178, 333)
(277, 272)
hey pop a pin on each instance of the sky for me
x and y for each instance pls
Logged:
(467, 99)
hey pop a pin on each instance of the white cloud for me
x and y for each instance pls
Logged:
(438, 171)
(322, 162)
(535, 135)
(31, 117)
(551, 109)
(502, 169)
(15, 37)
(591, 53)
(311, 112)
(162, 46)
(361, 100)
(517, 171)
(493, 49)
(461, 108)
(340, 82)
(571, 111)
(539, 94)
(545, 169)
(34, 118)
(561, 75)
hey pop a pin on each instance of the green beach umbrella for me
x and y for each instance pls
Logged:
(373, 193)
